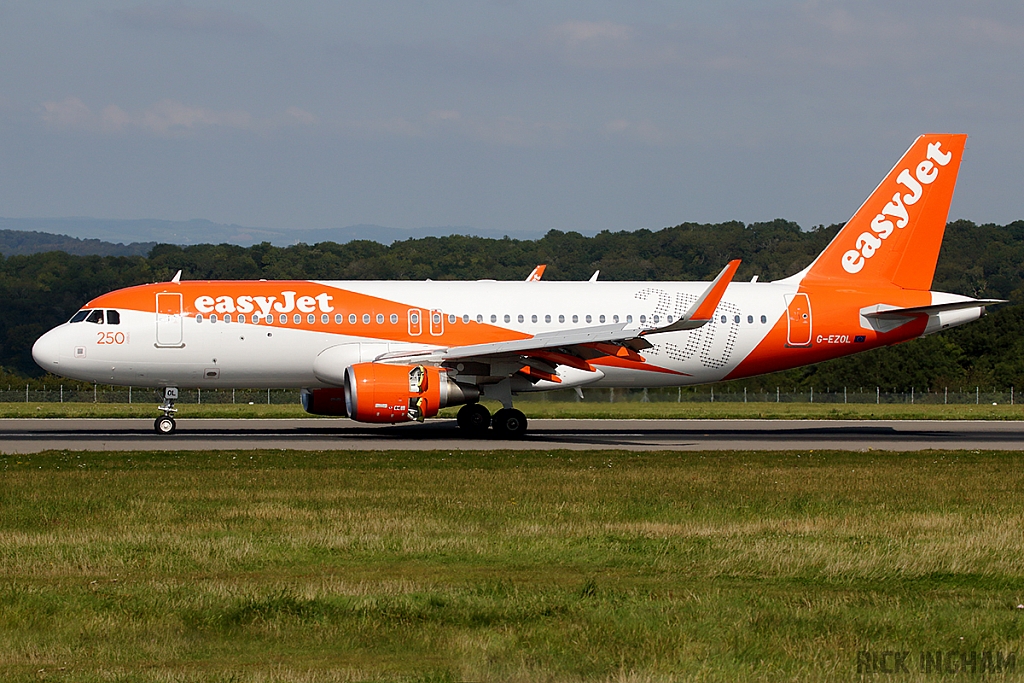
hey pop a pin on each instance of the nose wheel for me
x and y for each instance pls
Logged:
(164, 425)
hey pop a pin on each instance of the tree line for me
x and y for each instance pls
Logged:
(40, 291)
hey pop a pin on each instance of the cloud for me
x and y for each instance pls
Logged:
(166, 118)
(183, 18)
(578, 33)
(70, 112)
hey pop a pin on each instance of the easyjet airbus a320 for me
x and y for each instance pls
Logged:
(399, 351)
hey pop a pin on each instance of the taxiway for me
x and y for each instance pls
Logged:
(34, 435)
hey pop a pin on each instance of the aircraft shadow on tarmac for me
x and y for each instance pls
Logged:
(594, 433)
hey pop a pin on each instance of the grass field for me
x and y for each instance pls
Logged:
(504, 566)
(551, 409)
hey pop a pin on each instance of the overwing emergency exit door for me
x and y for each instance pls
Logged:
(798, 308)
(168, 319)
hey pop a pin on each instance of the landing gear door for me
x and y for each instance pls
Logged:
(168, 319)
(798, 308)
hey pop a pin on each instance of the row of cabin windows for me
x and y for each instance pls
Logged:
(414, 318)
(96, 316)
(112, 317)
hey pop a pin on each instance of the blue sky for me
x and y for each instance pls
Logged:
(511, 116)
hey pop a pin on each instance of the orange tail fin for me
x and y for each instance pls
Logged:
(895, 236)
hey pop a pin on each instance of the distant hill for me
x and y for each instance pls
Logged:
(23, 243)
(199, 231)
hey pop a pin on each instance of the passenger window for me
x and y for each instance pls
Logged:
(479, 318)
(352, 319)
(95, 317)
(113, 318)
(213, 317)
(452, 318)
(547, 318)
(199, 317)
(255, 318)
(394, 318)
(310, 319)
(615, 318)
(465, 318)
(588, 318)
(366, 318)
(764, 318)
(324, 319)
(575, 318)
(508, 318)
(750, 319)
(533, 318)
(227, 317)
(561, 318)
(724, 319)
(494, 318)
(79, 317)
(283, 318)
(601, 319)
(338, 317)
(643, 319)
(736, 320)
(629, 318)
(296, 318)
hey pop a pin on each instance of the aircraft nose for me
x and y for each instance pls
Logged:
(46, 351)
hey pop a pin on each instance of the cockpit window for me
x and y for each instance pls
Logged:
(95, 317)
(78, 317)
(113, 318)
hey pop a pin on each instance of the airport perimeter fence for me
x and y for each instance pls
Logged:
(705, 394)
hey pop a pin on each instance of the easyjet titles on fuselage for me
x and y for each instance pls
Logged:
(266, 304)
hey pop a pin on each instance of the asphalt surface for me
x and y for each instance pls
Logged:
(34, 435)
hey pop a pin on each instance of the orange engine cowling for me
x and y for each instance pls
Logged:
(376, 392)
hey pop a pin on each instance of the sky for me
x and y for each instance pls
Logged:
(511, 116)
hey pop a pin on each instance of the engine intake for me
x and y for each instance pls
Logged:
(376, 392)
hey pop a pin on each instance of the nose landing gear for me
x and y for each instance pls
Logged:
(165, 424)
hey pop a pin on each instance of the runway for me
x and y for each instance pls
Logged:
(34, 435)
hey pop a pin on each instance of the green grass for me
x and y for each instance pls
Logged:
(551, 409)
(503, 566)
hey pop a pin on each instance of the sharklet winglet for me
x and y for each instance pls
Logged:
(703, 310)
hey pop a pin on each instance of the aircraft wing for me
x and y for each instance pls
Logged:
(575, 346)
(610, 334)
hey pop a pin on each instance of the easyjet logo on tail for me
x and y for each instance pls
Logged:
(868, 243)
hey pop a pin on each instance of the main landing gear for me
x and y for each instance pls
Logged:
(165, 423)
(508, 423)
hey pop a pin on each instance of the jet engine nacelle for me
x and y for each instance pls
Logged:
(376, 392)
(330, 401)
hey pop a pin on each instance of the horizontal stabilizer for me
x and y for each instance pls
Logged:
(703, 310)
(881, 311)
